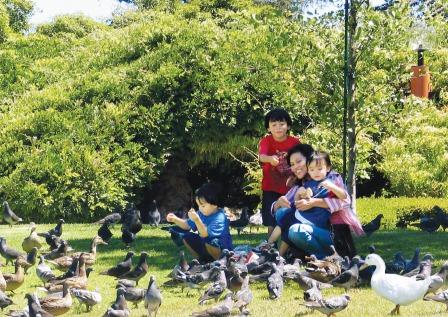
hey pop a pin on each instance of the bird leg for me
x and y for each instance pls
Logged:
(396, 310)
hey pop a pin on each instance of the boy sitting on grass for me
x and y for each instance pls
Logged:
(209, 221)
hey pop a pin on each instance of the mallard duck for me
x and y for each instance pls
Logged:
(78, 281)
(323, 270)
(57, 305)
(63, 263)
(90, 258)
(32, 240)
(400, 290)
(14, 281)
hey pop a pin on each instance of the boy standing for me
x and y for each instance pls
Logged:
(272, 154)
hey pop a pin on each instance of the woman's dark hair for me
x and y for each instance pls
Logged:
(209, 192)
(277, 114)
(318, 157)
(304, 149)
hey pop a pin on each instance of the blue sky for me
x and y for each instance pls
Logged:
(46, 10)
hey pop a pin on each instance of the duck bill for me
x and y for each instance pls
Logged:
(363, 267)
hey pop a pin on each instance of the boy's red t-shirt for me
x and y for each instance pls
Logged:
(274, 177)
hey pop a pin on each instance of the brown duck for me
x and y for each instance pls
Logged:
(322, 270)
(32, 240)
(56, 305)
(78, 281)
(14, 281)
(90, 257)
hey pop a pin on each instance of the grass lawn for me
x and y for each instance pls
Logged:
(163, 256)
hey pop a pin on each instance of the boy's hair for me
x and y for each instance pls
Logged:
(302, 148)
(277, 114)
(318, 157)
(209, 192)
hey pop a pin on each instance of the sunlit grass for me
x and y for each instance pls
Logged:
(163, 256)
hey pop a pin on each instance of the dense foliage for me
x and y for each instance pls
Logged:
(89, 113)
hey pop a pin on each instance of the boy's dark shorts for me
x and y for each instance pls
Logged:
(266, 203)
(198, 245)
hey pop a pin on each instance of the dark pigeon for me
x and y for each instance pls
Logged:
(428, 224)
(104, 232)
(139, 270)
(242, 222)
(122, 267)
(154, 214)
(127, 236)
(8, 253)
(56, 231)
(110, 219)
(398, 265)
(349, 278)
(441, 216)
(414, 262)
(9, 216)
(216, 289)
(373, 225)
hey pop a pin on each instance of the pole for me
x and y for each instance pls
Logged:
(344, 134)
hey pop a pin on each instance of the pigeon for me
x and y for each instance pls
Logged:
(154, 214)
(349, 278)
(220, 310)
(306, 282)
(110, 219)
(373, 225)
(133, 294)
(119, 308)
(127, 236)
(330, 306)
(153, 297)
(313, 294)
(255, 220)
(34, 307)
(242, 222)
(44, 272)
(177, 234)
(89, 298)
(438, 279)
(398, 265)
(104, 232)
(56, 231)
(216, 289)
(441, 216)
(197, 281)
(8, 253)
(132, 220)
(122, 267)
(139, 270)
(244, 296)
(125, 283)
(428, 224)
(181, 266)
(414, 262)
(275, 283)
(5, 301)
(424, 268)
(441, 298)
(29, 260)
(9, 216)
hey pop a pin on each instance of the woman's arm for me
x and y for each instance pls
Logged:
(305, 204)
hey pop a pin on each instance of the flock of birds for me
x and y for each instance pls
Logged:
(76, 267)
(226, 281)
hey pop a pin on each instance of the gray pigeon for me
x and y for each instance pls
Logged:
(44, 272)
(154, 214)
(222, 309)
(441, 298)
(153, 297)
(330, 306)
(5, 301)
(349, 278)
(8, 253)
(89, 298)
(306, 282)
(438, 279)
(9, 216)
(423, 267)
(122, 267)
(275, 283)
(133, 294)
(216, 289)
(244, 296)
(34, 307)
(313, 294)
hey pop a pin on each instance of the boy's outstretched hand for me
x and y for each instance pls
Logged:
(171, 217)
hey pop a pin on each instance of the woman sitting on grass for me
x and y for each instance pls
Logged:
(210, 222)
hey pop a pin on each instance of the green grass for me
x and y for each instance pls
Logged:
(163, 256)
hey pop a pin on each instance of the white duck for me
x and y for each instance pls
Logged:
(400, 290)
